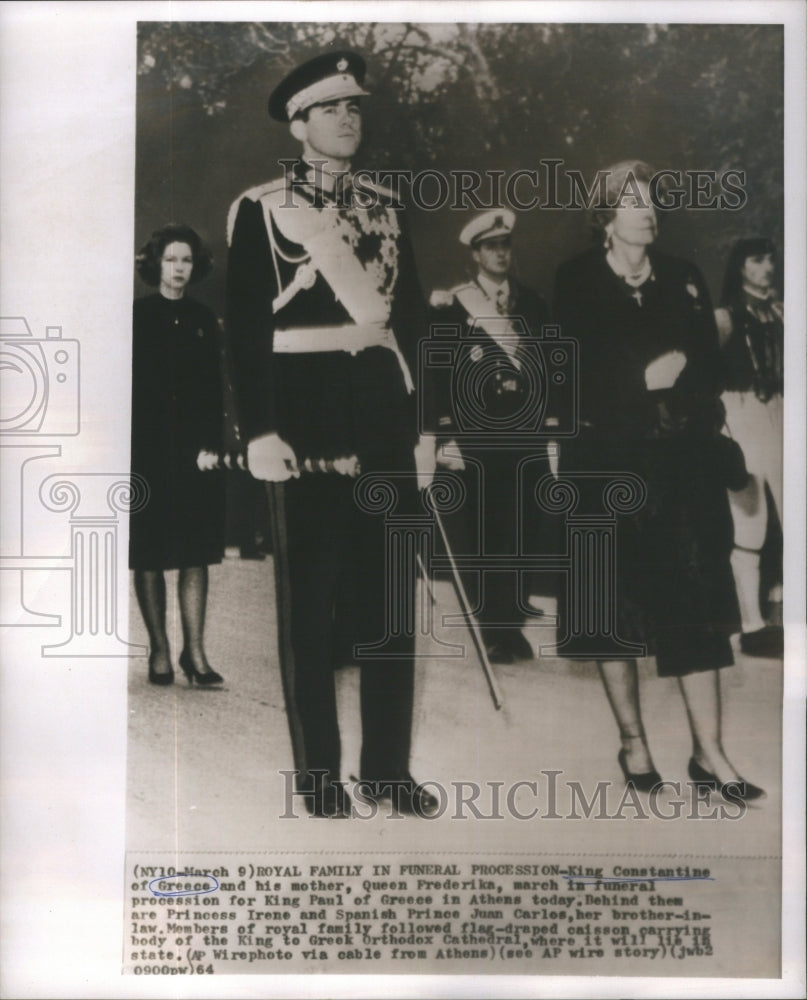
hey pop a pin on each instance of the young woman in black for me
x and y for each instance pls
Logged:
(176, 440)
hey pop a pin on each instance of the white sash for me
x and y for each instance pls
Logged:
(498, 328)
(316, 229)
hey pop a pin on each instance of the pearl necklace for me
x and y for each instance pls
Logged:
(635, 278)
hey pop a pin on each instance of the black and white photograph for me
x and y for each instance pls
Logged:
(403, 508)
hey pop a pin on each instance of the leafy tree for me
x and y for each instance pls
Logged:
(475, 96)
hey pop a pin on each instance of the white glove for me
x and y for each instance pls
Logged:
(271, 459)
(425, 462)
(662, 373)
(207, 460)
(448, 457)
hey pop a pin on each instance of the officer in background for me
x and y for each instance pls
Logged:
(499, 316)
(325, 313)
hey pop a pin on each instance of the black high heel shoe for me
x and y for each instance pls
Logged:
(739, 789)
(644, 782)
(161, 677)
(205, 678)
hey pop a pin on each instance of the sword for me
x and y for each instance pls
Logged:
(465, 604)
(427, 580)
(345, 466)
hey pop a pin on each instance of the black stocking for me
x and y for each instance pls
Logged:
(150, 590)
(193, 604)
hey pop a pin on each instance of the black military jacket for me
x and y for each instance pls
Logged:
(327, 404)
(486, 376)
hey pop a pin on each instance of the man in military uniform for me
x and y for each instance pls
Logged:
(500, 316)
(325, 313)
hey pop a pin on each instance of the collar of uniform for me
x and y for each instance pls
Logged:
(306, 176)
(490, 288)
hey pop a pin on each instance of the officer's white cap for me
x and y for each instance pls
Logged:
(488, 226)
(328, 77)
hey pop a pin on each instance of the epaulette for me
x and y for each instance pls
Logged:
(440, 298)
(253, 194)
(443, 298)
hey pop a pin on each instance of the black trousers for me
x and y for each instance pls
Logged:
(333, 574)
(500, 517)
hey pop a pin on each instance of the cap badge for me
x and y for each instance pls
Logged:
(342, 65)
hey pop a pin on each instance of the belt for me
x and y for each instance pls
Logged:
(351, 338)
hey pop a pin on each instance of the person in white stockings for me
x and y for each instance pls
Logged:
(750, 323)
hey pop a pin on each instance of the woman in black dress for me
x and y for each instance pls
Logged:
(176, 439)
(649, 405)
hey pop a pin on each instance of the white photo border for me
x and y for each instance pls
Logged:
(67, 125)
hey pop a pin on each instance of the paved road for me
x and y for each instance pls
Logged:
(203, 766)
